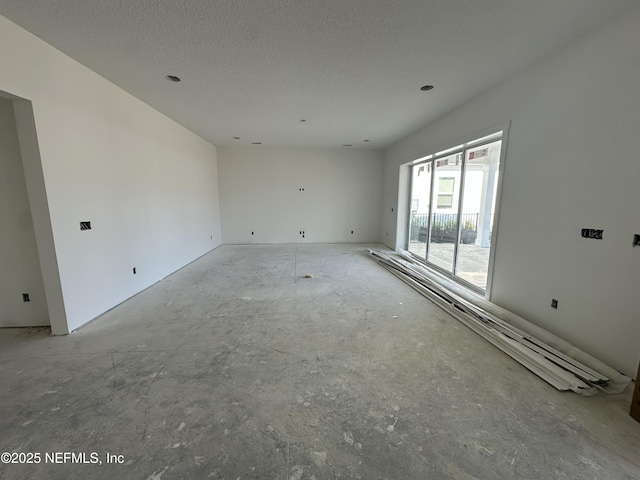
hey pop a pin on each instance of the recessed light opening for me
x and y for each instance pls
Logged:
(347, 145)
(256, 143)
(366, 140)
(236, 138)
(426, 88)
(173, 78)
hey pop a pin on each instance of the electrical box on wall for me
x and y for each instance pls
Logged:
(592, 233)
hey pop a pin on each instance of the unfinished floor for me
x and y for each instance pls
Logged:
(238, 367)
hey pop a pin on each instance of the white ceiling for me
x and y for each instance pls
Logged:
(351, 68)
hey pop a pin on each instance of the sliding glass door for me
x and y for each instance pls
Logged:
(444, 225)
(478, 207)
(453, 198)
(420, 208)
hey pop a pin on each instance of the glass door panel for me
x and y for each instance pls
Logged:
(444, 217)
(478, 206)
(453, 201)
(419, 209)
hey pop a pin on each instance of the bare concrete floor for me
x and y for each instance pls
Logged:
(237, 367)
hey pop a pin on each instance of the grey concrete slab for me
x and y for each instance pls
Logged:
(239, 367)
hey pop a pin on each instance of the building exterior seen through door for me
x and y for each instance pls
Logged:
(452, 210)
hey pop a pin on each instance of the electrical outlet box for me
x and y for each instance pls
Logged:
(591, 233)
(636, 240)
(554, 303)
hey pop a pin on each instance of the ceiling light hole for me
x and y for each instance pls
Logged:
(303, 120)
(426, 88)
(173, 78)
(366, 140)
(347, 145)
(256, 143)
(236, 138)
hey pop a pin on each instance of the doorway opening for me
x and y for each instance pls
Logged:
(22, 293)
(31, 294)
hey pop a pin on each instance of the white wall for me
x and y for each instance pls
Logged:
(148, 185)
(19, 263)
(573, 161)
(260, 192)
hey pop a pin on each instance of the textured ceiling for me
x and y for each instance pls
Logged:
(351, 68)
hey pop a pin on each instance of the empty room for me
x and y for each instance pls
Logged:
(330, 239)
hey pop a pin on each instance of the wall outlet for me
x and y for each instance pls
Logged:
(25, 297)
(134, 270)
(554, 303)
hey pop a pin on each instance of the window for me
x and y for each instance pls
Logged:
(445, 191)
